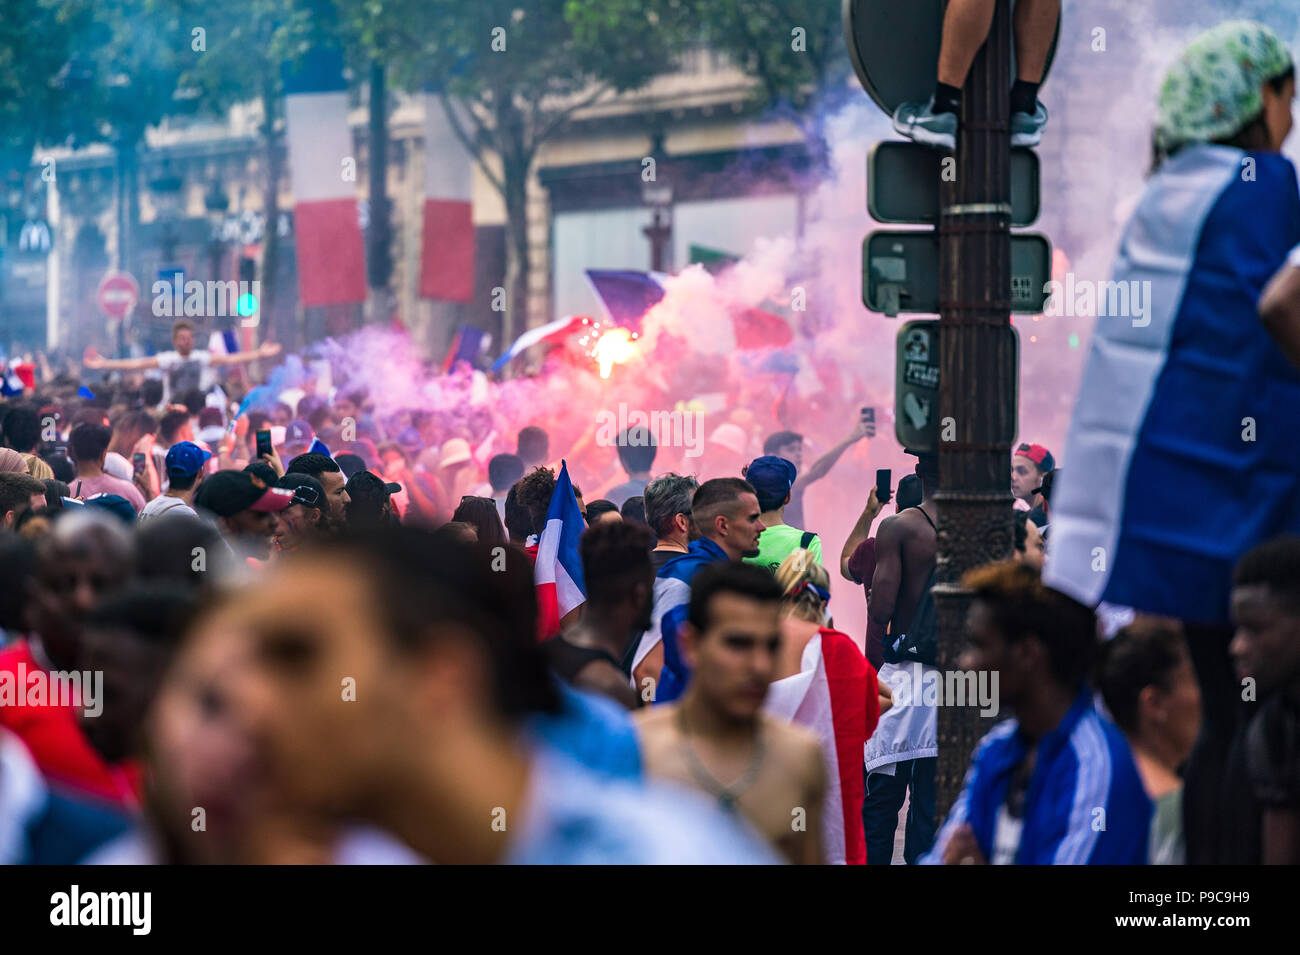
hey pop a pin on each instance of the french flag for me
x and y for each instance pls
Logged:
(331, 263)
(557, 573)
(834, 696)
(627, 295)
(554, 332)
(1165, 481)
(447, 252)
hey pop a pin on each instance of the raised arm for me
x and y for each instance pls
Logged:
(822, 466)
(265, 350)
(94, 360)
(861, 531)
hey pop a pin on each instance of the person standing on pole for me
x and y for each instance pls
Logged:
(966, 23)
(1184, 448)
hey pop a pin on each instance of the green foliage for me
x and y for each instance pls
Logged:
(37, 104)
(758, 35)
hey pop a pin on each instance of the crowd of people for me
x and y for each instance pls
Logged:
(303, 628)
(215, 650)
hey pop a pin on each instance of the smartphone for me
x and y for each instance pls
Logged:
(869, 416)
(884, 480)
(264, 443)
(138, 462)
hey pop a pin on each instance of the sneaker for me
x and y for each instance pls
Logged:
(919, 123)
(1027, 130)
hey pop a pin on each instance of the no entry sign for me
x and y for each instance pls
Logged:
(118, 293)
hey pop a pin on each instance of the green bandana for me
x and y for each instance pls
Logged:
(1213, 89)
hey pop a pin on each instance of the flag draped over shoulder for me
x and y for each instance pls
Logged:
(557, 573)
(834, 696)
(1165, 480)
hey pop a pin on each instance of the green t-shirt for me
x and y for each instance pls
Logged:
(777, 542)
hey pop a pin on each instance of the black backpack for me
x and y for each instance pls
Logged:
(921, 642)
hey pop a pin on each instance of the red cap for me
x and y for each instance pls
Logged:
(1038, 454)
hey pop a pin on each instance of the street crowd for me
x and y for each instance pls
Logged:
(212, 654)
(312, 630)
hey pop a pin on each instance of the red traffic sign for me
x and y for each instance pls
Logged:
(118, 293)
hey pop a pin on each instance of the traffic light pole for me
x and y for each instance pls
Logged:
(977, 376)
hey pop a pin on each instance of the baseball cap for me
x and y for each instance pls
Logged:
(226, 493)
(303, 489)
(185, 458)
(368, 485)
(772, 477)
(368, 482)
(1039, 455)
(298, 432)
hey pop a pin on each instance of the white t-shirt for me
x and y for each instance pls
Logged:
(166, 505)
(118, 466)
(184, 374)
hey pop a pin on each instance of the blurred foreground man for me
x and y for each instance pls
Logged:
(86, 557)
(380, 679)
(717, 738)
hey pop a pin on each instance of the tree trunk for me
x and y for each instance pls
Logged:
(276, 329)
(515, 319)
(379, 259)
(516, 163)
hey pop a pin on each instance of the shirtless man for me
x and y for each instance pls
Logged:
(901, 754)
(716, 738)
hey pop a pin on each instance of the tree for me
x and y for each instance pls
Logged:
(794, 48)
(230, 53)
(522, 72)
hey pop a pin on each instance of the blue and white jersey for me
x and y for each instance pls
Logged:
(1085, 804)
(672, 597)
(1184, 448)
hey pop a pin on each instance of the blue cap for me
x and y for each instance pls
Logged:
(185, 458)
(772, 478)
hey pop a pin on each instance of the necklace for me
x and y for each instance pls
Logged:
(728, 796)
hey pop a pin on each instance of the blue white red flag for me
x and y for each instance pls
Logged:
(557, 573)
(1184, 449)
(322, 170)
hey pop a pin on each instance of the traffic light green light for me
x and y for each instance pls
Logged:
(247, 305)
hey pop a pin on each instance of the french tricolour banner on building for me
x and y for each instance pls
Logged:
(322, 169)
(558, 571)
(447, 252)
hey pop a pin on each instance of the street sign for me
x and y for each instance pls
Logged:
(894, 47)
(917, 425)
(118, 293)
(900, 272)
(903, 183)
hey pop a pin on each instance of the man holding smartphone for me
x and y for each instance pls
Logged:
(789, 445)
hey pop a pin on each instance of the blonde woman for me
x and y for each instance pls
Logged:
(825, 683)
(37, 468)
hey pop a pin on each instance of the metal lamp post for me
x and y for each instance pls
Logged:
(657, 193)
